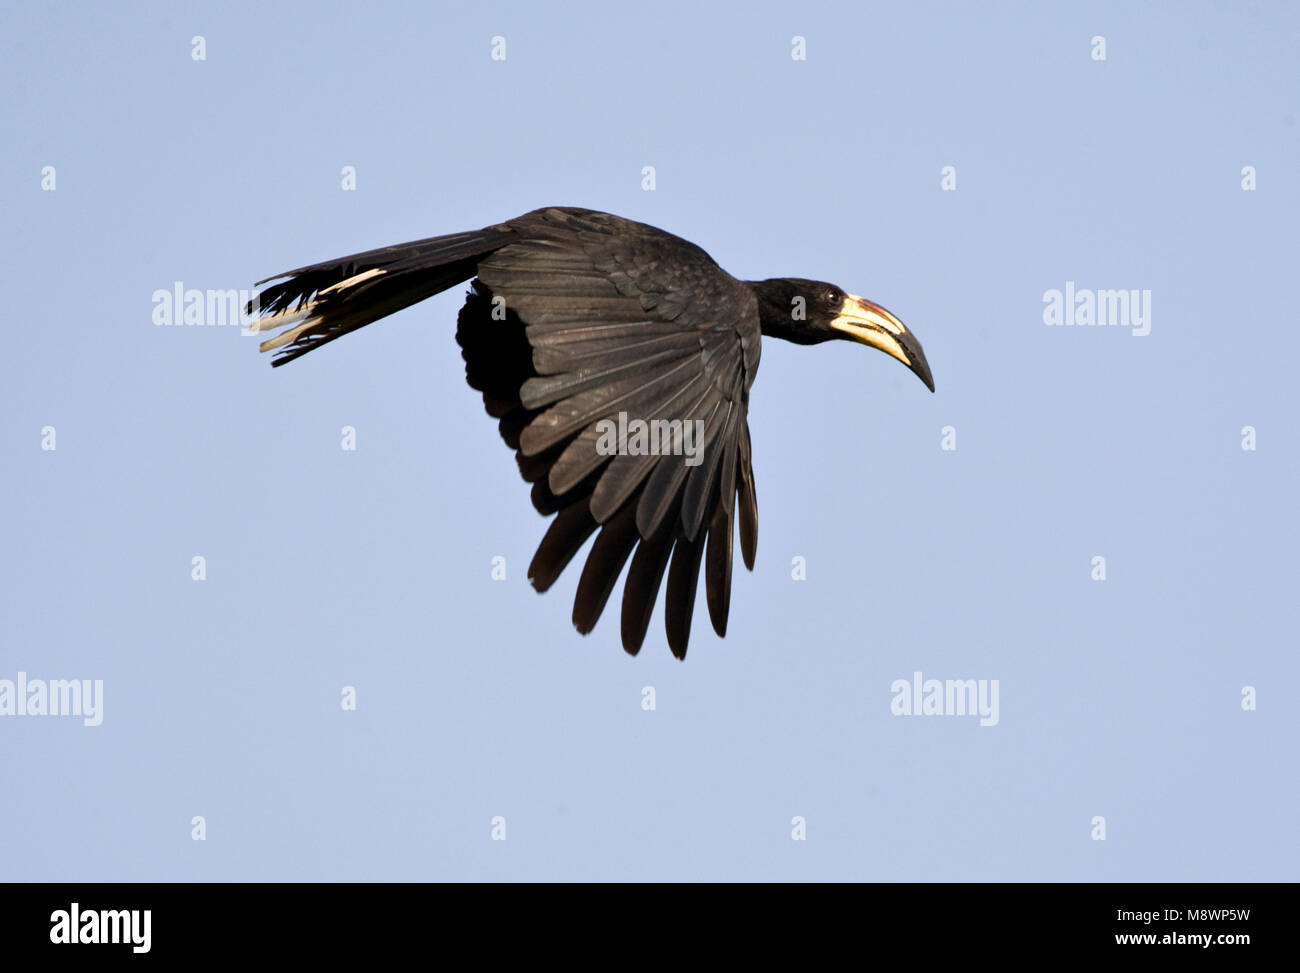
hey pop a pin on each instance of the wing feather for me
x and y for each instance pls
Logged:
(613, 317)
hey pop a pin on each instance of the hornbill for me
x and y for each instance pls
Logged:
(575, 318)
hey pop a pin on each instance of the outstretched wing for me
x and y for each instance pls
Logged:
(585, 320)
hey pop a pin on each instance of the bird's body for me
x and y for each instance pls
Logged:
(578, 323)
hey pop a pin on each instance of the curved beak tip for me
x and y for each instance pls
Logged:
(922, 370)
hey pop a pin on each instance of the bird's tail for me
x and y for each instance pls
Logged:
(324, 301)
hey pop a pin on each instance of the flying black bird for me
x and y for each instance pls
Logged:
(577, 322)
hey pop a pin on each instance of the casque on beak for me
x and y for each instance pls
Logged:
(861, 320)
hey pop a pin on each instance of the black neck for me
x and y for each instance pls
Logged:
(775, 307)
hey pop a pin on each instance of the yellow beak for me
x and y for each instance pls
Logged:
(863, 321)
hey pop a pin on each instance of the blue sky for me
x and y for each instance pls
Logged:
(371, 568)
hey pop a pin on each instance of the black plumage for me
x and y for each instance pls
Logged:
(574, 317)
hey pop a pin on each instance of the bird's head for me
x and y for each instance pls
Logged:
(809, 312)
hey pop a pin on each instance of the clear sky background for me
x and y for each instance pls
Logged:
(475, 697)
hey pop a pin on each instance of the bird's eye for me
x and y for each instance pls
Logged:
(832, 297)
